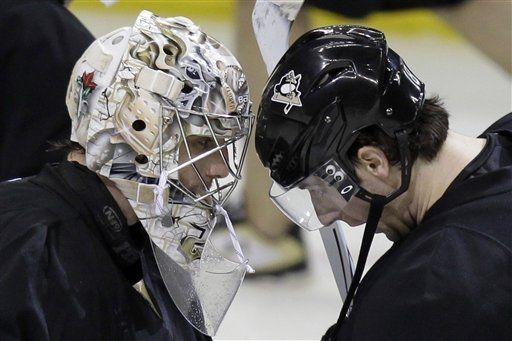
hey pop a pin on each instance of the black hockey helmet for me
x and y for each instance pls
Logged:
(330, 84)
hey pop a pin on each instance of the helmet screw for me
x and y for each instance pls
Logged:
(389, 111)
(327, 119)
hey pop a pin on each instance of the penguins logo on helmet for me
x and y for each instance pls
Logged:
(287, 91)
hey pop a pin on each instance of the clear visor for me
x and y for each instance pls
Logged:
(317, 200)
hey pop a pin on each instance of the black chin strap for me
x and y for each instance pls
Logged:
(376, 207)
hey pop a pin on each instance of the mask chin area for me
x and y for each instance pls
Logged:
(201, 280)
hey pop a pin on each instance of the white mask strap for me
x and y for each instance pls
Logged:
(234, 239)
(162, 193)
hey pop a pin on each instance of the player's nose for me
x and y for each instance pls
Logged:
(217, 167)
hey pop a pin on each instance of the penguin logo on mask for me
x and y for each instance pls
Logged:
(287, 91)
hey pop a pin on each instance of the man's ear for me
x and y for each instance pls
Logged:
(374, 161)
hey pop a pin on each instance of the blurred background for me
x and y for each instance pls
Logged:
(461, 52)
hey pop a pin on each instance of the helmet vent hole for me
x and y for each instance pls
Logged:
(323, 80)
(331, 76)
(139, 125)
(186, 89)
(198, 104)
(141, 159)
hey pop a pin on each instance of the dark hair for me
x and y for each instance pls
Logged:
(65, 146)
(425, 140)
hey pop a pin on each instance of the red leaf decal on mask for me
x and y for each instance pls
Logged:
(87, 81)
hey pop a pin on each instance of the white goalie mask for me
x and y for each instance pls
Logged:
(162, 109)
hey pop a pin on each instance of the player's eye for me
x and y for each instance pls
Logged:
(206, 143)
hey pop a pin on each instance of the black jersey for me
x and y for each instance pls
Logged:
(451, 277)
(68, 262)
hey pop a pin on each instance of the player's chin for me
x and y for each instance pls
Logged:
(353, 222)
(328, 218)
(390, 234)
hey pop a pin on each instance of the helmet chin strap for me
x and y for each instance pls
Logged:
(377, 204)
(376, 207)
